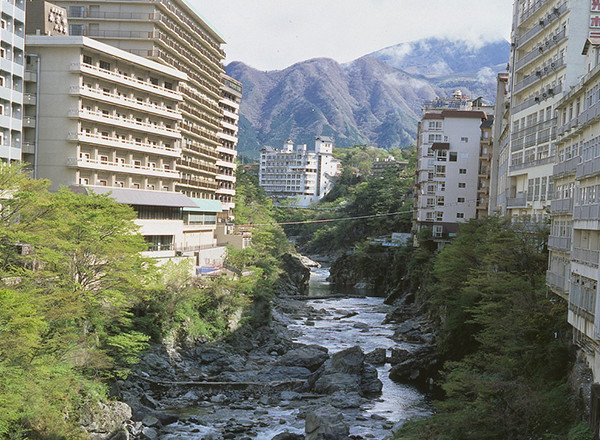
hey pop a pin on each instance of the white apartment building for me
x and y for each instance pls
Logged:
(108, 121)
(574, 243)
(298, 175)
(453, 153)
(172, 33)
(12, 62)
(546, 61)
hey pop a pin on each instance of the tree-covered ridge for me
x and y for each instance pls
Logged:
(503, 339)
(79, 303)
(358, 192)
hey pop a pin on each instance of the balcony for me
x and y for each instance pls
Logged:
(588, 169)
(29, 121)
(542, 24)
(557, 283)
(131, 81)
(520, 201)
(28, 147)
(566, 168)
(559, 243)
(130, 123)
(196, 165)
(533, 8)
(124, 101)
(197, 182)
(106, 15)
(125, 144)
(225, 177)
(542, 95)
(561, 206)
(29, 99)
(30, 76)
(586, 212)
(115, 167)
(533, 163)
(537, 51)
(539, 74)
(586, 256)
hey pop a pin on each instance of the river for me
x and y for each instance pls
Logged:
(333, 328)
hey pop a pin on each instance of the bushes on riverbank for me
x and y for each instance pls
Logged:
(503, 339)
(79, 304)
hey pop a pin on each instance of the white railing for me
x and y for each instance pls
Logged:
(121, 167)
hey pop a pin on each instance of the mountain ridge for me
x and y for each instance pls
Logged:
(375, 99)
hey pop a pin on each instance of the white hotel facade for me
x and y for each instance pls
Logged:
(297, 175)
(12, 72)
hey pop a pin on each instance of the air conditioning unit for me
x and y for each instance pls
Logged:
(544, 95)
(551, 91)
(547, 43)
(538, 72)
(554, 37)
(542, 22)
(556, 11)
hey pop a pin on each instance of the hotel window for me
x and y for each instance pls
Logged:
(462, 185)
(84, 156)
(462, 171)
(461, 200)
(453, 156)
(103, 159)
(464, 139)
(460, 215)
(104, 65)
(439, 216)
(84, 181)
(102, 182)
(441, 155)
(152, 165)
(137, 163)
(440, 201)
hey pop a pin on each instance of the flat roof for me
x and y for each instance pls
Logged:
(144, 197)
(77, 40)
(205, 205)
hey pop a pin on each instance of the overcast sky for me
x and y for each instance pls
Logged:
(274, 34)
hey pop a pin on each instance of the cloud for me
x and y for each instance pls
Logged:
(273, 34)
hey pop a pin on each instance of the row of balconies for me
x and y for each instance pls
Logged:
(559, 243)
(539, 50)
(580, 120)
(541, 96)
(588, 169)
(557, 282)
(202, 132)
(131, 81)
(542, 24)
(127, 144)
(586, 212)
(561, 206)
(121, 167)
(532, 163)
(125, 101)
(124, 122)
(198, 182)
(539, 74)
(532, 9)
(197, 165)
(566, 168)
(586, 256)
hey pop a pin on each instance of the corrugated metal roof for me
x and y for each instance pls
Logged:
(145, 198)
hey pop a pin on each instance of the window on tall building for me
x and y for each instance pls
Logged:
(460, 215)
(440, 200)
(439, 216)
(464, 139)
(462, 171)
(453, 156)
(104, 65)
(462, 185)
(76, 11)
(461, 200)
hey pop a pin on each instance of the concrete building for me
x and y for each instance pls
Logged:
(389, 163)
(12, 62)
(226, 165)
(574, 241)
(546, 61)
(108, 121)
(172, 33)
(298, 175)
(453, 153)
(499, 181)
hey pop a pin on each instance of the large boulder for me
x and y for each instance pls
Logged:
(307, 356)
(346, 371)
(417, 367)
(104, 421)
(295, 277)
(326, 423)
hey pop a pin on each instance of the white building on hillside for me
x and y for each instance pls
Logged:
(294, 173)
(453, 168)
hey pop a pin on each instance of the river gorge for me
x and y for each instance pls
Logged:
(303, 373)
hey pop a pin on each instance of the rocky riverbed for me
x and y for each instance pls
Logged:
(321, 366)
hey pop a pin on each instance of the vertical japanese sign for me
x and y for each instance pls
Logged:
(594, 19)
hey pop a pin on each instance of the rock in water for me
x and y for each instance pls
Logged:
(326, 423)
(288, 436)
(347, 372)
(308, 356)
(295, 277)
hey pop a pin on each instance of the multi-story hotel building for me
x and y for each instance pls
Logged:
(499, 182)
(12, 62)
(453, 154)
(546, 61)
(574, 243)
(172, 33)
(108, 121)
(296, 174)
(226, 165)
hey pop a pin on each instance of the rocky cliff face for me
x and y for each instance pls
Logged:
(374, 100)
